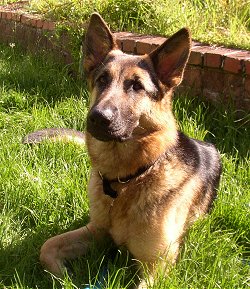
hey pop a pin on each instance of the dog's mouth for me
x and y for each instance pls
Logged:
(119, 135)
(106, 135)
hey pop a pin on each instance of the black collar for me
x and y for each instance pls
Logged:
(106, 183)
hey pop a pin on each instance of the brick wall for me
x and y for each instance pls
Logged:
(218, 73)
(33, 34)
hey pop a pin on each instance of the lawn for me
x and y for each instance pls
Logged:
(43, 188)
(212, 21)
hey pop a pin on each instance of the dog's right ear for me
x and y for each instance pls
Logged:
(171, 57)
(99, 41)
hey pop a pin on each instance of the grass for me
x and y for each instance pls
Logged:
(43, 188)
(212, 21)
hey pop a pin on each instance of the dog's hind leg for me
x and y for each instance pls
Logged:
(67, 246)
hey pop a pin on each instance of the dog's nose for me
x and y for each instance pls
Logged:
(101, 118)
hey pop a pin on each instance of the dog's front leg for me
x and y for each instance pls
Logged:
(67, 246)
(150, 272)
(146, 284)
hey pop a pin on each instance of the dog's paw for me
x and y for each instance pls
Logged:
(67, 269)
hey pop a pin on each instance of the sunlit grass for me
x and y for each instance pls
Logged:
(221, 21)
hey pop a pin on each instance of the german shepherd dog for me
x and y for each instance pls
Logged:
(148, 181)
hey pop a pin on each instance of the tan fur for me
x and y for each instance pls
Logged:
(153, 209)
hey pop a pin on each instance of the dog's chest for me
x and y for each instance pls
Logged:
(150, 224)
(134, 218)
(139, 217)
(134, 207)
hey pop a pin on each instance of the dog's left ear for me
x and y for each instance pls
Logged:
(99, 41)
(170, 58)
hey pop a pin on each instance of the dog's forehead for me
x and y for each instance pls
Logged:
(127, 65)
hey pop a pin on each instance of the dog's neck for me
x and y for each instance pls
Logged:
(118, 160)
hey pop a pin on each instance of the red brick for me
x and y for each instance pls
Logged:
(25, 19)
(29, 20)
(246, 95)
(232, 65)
(153, 42)
(31, 35)
(20, 34)
(143, 47)
(2, 29)
(9, 15)
(234, 62)
(196, 46)
(212, 60)
(8, 30)
(39, 23)
(241, 54)
(158, 42)
(233, 83)
(4, 15)
(247, 85)
(192, 76)
(16, 17)
(128, 45)
(128, 38)
(195, 58)
(33, 22)
(212, 83)
(48, 25)
(126, 41)
(243, 99)
(197, 53)
(124, 35)
(209, 53)
(151, 39)
(45, 25)
(192, 79)
(247, 66)
(119, 43)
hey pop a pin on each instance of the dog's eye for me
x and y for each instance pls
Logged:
(137, 86)
(103, 79)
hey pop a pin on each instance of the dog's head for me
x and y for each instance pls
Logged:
(130, 95)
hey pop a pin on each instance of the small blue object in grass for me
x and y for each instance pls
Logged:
(101, 280)
(93, 287)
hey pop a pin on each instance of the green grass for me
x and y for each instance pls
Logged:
(211, 21)
(43, 188)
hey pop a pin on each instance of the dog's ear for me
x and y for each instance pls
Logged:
(99, 41)
(170, 58)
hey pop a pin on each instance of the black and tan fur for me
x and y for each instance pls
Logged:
(163, 179)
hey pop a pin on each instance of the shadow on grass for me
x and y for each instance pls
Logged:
(38, 77)
(227, 127)
(20, 267)
(19, 263)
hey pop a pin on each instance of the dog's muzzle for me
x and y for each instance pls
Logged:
(104, 125)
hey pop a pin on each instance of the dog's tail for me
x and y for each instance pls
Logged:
(55, 134)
